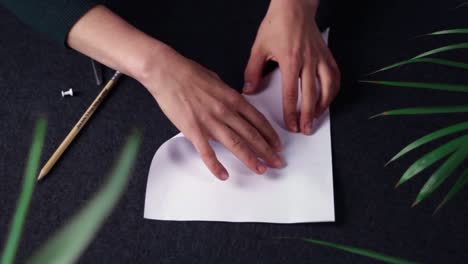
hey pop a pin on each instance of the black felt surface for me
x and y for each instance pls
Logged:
(370, 213)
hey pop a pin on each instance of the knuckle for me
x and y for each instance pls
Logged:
(292, 57)
(234, 98)
(236, 142)
(255, 135)
(204, 117)
(221, 109)
(291, 97)
(206, 154)
(266, 150)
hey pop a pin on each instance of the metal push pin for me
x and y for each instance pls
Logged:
(67, 93)
(97, 71)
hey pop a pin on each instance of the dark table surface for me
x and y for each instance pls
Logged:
(370, 213)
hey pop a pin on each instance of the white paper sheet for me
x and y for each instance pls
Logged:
(180, 187)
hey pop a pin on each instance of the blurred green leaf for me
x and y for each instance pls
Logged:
(424, 85)
(27, 189)
(360, 251)
(449, 31)
(443, 172)
(425, 110)
(430, 137)
(431, 157)
(455, 189)
(70, 241)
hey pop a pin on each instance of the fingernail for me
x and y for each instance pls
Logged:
(293, 127)
(224, 176)
(248, 87)
(308, 128)
(278, 161)
(261, 168)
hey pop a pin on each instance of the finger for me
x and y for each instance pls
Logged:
(234, 143)
(208, 157)
(329, 78)
(255, 140)
(253, 71)
(290, 75)
(258, 121)
(309, 98)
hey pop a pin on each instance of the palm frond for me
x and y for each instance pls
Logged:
(430, 158)
(449, 31)
(425, 110)
(449, 63)
(455, 189)
(430, 137)
(443, 172)
(27, 189)
(69, 242)
(425, 54)
(423, 85)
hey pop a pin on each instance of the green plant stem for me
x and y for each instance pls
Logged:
(27, 189)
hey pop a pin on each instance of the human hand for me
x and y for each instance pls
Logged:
(290, 36)
(203, 107)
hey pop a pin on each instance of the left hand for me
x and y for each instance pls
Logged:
(290, 36)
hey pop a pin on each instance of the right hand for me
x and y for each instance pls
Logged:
(203, 107)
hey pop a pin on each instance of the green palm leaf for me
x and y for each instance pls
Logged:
(425, 110)
(70, 241)
(455, 189)
(423, 85)
(360, 251)
(449, 31)
(426, 54)
(430, 158)
(430, 137)
(27, 189)
(449, 63)
(442, 173)
(442, 49)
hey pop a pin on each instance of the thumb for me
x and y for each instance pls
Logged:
(253, 72)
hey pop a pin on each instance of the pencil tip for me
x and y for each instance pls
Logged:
(41, 175)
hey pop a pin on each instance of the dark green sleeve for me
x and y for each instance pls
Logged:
(52, 17)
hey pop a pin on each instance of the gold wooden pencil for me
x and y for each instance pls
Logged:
(79, 125)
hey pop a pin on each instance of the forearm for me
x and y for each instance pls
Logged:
(107, 38)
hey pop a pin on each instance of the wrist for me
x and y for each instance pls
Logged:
(149, 61)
